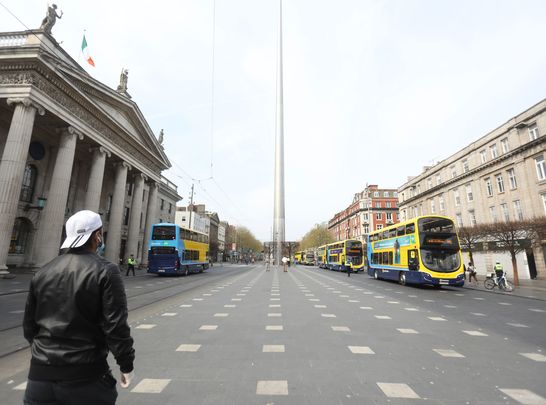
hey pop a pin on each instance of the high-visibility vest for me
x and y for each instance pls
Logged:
(130, 261)
(498, 267)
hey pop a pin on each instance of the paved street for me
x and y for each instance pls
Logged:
(241, 335)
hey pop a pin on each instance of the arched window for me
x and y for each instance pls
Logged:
(29, 180)
(20, 236)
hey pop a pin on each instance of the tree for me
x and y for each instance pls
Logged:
(469, 236)
(509, 236)
(318, 236)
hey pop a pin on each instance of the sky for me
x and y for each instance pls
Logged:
(373, 89)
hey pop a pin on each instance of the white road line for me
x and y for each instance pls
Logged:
(534, 356)
(393, 390)
(360, 350)
(146, 326)
(151, 386)
(366, 308)
(197, 299)
(436, 318)
(230, 306)
(475, 333)
(340, 329)
(274, 314)
(328, 315)
(237, 299)
(477, 313)
(319, 306)
(186, 306)
(504, 303)
(274, 305)
(353, 301)
(517, 325)
(274, 327)
(273, 299)
(270, 387)
(221, 315)
(208, 327)
(382, 317)
(411, 309)
(273, 349)
(169, 314)
(448, 353)
(536, 310)
(20, 387)
(188, 348)
(523, 396)
(401, 330)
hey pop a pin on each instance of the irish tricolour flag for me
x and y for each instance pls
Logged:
(85, 51)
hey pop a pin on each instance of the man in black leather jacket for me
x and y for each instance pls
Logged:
(76, 312)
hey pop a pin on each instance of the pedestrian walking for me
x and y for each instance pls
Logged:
(130, 265)
(471, 272)
(76, 312)
(284, 263)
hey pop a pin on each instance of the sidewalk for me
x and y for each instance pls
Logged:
(534, 289)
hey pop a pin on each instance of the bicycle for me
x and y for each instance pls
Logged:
(503, 284)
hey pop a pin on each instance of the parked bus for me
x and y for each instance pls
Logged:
(321, 256)
(423, 250)
(309, 258)
(340, 255)
(298, 257)
(176, 250)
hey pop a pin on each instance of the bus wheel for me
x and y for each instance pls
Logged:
(402, 278)
(186, 270)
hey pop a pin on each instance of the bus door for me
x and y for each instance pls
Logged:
(413, 259)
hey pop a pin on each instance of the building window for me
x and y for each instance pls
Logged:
(500, 183)
(418, 189)
(457, 197)
(504, 145)
(512, 179)
(518, 212)
(29, 180)
(544, 201)
(377, 205)
(385, 193)
(388, 204)
(129, 189)
(432, 207)
(533, 132)
(453, 172)
(365, 216)
(493, 213)
(442, 204)
(541, 168)
(376, 193)
(389, 216)
(378, 216)
(162, 205)
(438, 179)
(170, 208)
(429, 183)
(493, 150)
(472, 216)
(505, 213)
(395, 194)
(366, 228)
(378, 227)
(483, 156)
(466, 167)
(19, 236)
(469, 195)
(489, 187)
(126, 216)
(459, 218)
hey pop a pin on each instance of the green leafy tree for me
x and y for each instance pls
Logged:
(318, 236)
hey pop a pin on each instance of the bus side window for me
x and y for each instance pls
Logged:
(410, 228)
(400, 231)
(390, 258)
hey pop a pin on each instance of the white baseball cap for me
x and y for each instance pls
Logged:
(79, 228)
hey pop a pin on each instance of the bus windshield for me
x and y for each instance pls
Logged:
(436, 225)
(167, 232)
(354, 248)
(443, 261)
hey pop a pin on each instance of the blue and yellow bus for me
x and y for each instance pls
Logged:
(423, 250)
(298, 257)
(176, 250)
(321, 256)
(345, 254)
(308, 258)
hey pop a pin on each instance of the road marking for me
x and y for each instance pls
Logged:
(309, 295)
(328, 315)
(450, 306)
(366, 308)
(336, 292)
(274, 314)
(20, 311)
(412, 296)
(188, 348)
(504, 303)
(208, 327)
(340, 329)
(393, 302)
(536, 310)
(314, 299)
(344, 296)
(221, 315)
(274, 305)
(197, 299)
(436, 318)
(517, 325)
(236, 299)
(523, 396)
(20, 387)
(475, 333)
(477, 313)
(274, 327)
(169, 314)
(275, 294)
(186, 306)
(207, 295)
(428, 300)
(151, 386)
(368, 292)
(378, 296)
(146, 326)
(411, 309)
(382, 317)
(241, 295)
(401, 330)
(273, 349)
(360, 350)
(230, 306)
(534, 356)
(271, 387)
(353, 301)
(320, 306)
(273, 299)
(448, 353)
(393, 390)
(479, 298)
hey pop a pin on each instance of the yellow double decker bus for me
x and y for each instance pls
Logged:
(321, 257)
(308, 258)
(298, 257)
(423, 250)
(345, 254)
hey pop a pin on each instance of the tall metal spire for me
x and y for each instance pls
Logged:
(278, 220)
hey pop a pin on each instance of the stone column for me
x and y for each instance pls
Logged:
(48, 237)
(116, 213)
(151, 215)
(96, 175)
(134, 216)
(12, 168)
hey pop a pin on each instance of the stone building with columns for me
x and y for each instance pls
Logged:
(69, 142)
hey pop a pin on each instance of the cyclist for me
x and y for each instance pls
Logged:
(499, 271)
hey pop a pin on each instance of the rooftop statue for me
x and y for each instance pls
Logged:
(122, 88)
(160, 139)
(50, 19)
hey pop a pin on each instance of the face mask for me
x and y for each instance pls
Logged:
(100, 248)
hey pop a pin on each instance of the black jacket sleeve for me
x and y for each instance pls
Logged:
(30, 327)
(114, 314)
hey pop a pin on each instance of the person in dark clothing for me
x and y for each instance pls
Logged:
(76, 312)
(130, 265)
